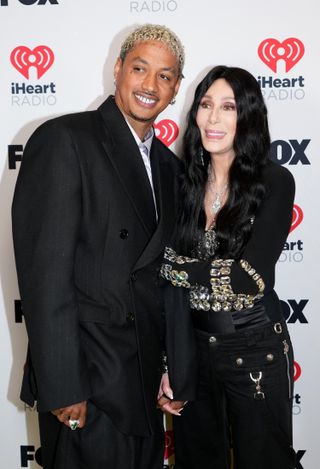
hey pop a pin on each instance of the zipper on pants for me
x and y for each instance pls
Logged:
(285, 351)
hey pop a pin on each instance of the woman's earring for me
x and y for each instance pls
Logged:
(201, 156)
(173, 101)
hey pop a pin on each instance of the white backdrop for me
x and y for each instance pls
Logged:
(79, 39)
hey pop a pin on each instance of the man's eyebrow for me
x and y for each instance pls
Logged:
(145, 62)
(140, 59)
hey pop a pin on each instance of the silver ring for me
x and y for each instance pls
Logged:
(74, 424)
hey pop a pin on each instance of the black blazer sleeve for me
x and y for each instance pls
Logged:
(269, 232)
(180, 344)
(46, 223)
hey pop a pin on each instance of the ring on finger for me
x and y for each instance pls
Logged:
(74, 424)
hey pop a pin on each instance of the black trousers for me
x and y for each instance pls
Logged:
(244, 403)
(99, 445)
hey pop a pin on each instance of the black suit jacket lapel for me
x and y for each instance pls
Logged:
(163, 178)
(125, 156)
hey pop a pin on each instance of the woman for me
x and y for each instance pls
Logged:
(225, 329)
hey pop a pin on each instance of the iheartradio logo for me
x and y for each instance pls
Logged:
(41, 57)
(167, 131)
(296, 371)
(291, 50)
(297, 217)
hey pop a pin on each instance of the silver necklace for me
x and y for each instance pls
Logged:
(218, 195)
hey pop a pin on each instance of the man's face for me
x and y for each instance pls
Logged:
(146, 81)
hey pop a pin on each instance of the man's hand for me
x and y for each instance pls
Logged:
(72, 412)
(165, 398)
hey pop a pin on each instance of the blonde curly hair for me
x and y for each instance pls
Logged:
(155, 32)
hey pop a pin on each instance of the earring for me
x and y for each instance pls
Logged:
(173, 101)
(201, 156)
(115, 82)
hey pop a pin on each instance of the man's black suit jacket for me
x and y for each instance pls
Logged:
(88, 252)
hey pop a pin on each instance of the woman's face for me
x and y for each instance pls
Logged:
(217, 119)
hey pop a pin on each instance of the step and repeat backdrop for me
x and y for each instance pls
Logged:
(57, 56)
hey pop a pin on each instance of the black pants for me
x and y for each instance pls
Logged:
(245, 402)
(99, 445)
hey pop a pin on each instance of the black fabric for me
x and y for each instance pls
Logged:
(222, 323)
(88, 255)
(261, 429)
(99, 445)
(269, 232)
(180, 343)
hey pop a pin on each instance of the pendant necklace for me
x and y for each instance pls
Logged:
(216, 204)
(218, 195)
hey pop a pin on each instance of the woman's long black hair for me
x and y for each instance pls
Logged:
(246, 188)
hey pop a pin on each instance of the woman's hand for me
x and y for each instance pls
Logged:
(165, 398)
(164, 388)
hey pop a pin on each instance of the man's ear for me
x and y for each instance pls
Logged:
(117, 67)
(177, 86)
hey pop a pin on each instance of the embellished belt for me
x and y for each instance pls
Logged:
(220, 296)
(222, 323)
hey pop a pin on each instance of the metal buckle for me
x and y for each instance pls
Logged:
(259, 394)
(277, 328)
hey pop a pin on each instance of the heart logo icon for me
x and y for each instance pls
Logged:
(297, 217)
(167, 131)
(291, 50)
(296, 371)
(41, 57)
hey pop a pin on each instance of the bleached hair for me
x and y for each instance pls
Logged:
(155, 32)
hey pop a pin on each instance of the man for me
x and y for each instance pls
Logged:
(94, 206)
